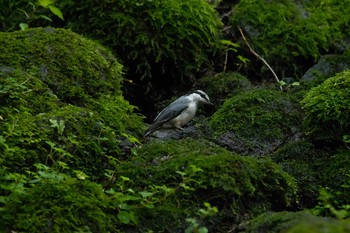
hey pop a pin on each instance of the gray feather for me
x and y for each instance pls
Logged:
(168, 113)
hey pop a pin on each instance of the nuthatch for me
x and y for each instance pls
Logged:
(179, 112)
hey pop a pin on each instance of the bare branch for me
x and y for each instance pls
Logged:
(261, 58)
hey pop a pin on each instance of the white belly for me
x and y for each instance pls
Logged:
(185, 116)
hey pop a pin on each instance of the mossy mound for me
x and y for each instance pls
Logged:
(160, 39)
(304, 161)
(295, 222)
(291, 34)
(257, 122)
(54, 202)
(75, 69)
(327, 108)
(61, 102)
(223, 85)
(199, 172)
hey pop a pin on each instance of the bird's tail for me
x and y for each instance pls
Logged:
(150, 130)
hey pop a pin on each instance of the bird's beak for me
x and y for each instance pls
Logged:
(210, 103)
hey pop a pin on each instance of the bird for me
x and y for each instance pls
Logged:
(179, 112)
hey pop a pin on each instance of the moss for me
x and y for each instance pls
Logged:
(20, 91)
(58, 203)
(318, 225)
(61, 102)
(202, 172)
(74, 68)
(223, 85)
(327, 108)
(304, 161)
(257, 122)
(69, 135)
(150, 36)
(291, 35)
(295, 222)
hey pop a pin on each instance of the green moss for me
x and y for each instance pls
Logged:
(295, 222)
(256, 121)
(61, 102)
(168, 37)
(201, 172)
(223, 85)
(327, 108)
(289, 33)
(20, 91)
(321, 225)
(57, 203)
(74, 68)
(304, 161)
(69, 135)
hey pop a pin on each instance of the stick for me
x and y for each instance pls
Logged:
(261, 58)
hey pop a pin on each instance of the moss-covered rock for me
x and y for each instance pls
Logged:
(327, 108)
(293, 222)
(56, 202)
(200, 171)
(257, 122)
(223, 85)
(291, 34)
(61, 102)
(327, 66)
(162, 42)
(315, 169)
(75, 69)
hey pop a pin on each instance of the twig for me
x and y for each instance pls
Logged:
(225, 63)
(261, 58)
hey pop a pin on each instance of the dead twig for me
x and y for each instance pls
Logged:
(261, 58)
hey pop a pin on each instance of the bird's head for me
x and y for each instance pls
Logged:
(201, 96)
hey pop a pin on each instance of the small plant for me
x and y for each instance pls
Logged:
(37, 13)
(203, 214)
(334, 203)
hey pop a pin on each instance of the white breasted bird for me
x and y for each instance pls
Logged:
(179, 112)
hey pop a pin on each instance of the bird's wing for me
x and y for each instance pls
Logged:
(172, 111)
(168, 113)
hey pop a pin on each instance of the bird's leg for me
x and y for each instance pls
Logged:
(178, 128)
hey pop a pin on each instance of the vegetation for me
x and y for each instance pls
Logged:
(236, 185)
(327, 108)
(290, 34)
(71, 154)
(61, 112)
(256, 122)
(163, 43)
(223, 85)
(295, 222)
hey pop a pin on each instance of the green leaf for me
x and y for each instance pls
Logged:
(133, 218)
(148, 205)
(124, 217)
(45, 3)
(80, 175)
(146, 194)
(56, 12)
(23, 26)
(202, 230)
(45, 17)
(282, 83)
